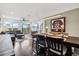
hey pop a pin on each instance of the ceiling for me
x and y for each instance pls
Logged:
(34, 11)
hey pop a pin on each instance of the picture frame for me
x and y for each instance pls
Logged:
(58, 24)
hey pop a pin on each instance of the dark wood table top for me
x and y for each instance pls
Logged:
(72, 41)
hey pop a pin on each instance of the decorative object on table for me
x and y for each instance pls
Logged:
(62, 31)
(57, 23)
(46, 29)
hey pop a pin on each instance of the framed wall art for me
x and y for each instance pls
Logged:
(58, 24)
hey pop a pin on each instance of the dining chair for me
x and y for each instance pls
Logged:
(55, 46)
(41, 45)
(75, 52)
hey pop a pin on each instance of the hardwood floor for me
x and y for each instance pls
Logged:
(23, 48)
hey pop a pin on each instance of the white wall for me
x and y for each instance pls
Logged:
(72, 22)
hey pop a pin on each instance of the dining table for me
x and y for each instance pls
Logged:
(69, 41)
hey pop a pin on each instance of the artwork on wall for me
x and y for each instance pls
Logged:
(58, 24)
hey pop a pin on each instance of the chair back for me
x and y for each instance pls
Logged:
(40, 45)
(41, 39)
(55, 45)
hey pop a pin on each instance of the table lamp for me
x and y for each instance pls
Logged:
(46, 29)
(62, 31)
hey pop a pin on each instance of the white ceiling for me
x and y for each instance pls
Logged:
(34, 11)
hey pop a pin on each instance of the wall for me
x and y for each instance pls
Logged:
(72, 22)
